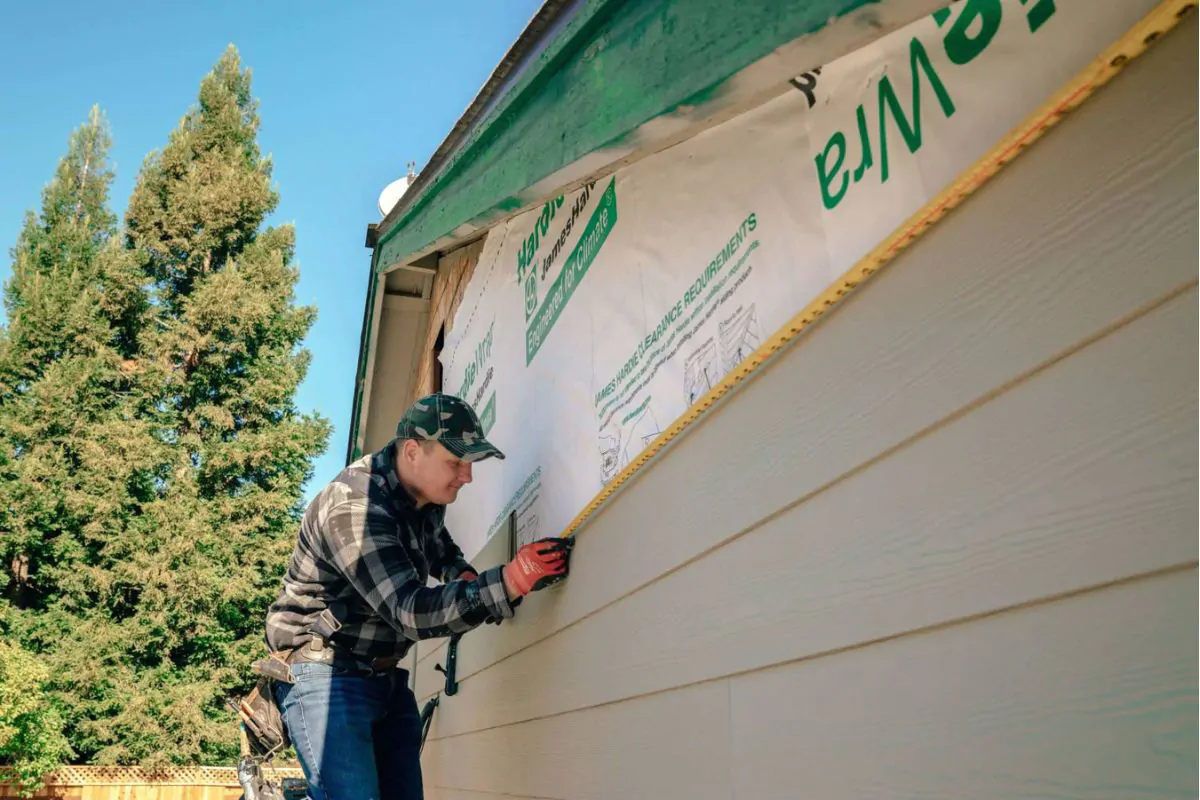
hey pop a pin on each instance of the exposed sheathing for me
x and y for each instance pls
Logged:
(454, 272)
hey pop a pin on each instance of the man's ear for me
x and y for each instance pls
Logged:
(408, 450)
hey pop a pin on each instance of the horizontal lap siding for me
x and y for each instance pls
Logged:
(1005, 417)
(1083, 475)
(1090, 697)
(578, 756)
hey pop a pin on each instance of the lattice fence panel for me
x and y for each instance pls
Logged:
(141, 776)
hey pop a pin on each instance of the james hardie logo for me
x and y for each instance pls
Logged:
(530, 294)
(603, 218)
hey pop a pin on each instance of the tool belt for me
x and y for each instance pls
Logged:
(259, 710)
(262, 721)
(317, 651)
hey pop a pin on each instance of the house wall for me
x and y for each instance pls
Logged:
(399, 350)
(404, 349)
(944, 547)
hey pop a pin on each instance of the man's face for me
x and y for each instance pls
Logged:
(436, 474)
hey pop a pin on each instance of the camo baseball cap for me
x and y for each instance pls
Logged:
(450, 420)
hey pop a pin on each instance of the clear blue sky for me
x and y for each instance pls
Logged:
(349, 92)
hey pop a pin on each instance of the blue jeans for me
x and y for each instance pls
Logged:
(358, 738)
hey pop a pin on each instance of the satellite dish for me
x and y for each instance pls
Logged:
(392, 193)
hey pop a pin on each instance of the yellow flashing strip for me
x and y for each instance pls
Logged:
(1165, 16)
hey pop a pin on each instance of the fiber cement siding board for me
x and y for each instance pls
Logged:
(1095, 221)
(671, 745)
(440, 793)
(1083, 475)
(1090, 697)
(433, 651)
(427, 680)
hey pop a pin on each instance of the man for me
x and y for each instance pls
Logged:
(355, 598)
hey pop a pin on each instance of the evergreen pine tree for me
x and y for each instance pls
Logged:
(151, 456)
(73, 303)
(219, 364)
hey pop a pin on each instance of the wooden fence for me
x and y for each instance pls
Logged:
(137, 783)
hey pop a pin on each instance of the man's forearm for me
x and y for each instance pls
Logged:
(430, 612)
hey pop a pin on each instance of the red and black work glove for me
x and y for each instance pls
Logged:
(539, 564)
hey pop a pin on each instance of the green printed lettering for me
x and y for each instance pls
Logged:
(488, 418)
(684, 329)
(825, 179)
(483, 352)
(1038, 13)
(887, 96)
(522, 259)
(590, 241)
(504, 512)
(972, 31)
(527, 252)
(674, 320)
(605, 392)
(864, 138)
(525, 256)
(468, 379)
(640, 408)
(530, 295)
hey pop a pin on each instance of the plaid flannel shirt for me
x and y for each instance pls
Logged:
(365, 552)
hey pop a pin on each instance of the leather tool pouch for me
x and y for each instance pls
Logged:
(259, 712)
(265, 731)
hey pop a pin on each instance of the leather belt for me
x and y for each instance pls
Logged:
(316, 651)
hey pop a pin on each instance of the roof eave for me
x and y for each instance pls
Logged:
(625, 86)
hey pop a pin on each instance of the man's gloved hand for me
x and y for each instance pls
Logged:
(538, 564)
